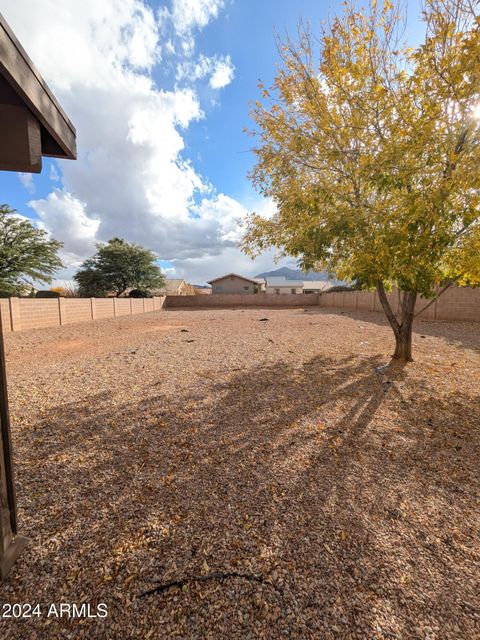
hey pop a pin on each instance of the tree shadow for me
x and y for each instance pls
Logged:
(309, 476)
(462, 334)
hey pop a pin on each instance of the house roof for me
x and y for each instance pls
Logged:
(320, 285)
(173, 284)
(279, 281)
(235, 275)
(22, 87)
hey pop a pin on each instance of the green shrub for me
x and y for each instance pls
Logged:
(139, 293)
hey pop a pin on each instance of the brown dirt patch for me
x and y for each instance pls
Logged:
(338, 501)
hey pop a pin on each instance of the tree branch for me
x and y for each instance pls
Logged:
(437, 296)
(211, 576)
(386, 307)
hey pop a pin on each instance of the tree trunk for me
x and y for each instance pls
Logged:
(402, 327)
(403, 345)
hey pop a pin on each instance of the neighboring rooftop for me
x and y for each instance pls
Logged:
(176, 286)
(172, 285)
(298, 274)
(236, 275)
(283, 282)
(317, 285)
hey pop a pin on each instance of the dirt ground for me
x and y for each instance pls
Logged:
(258, 459)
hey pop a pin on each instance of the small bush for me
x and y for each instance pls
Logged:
(47, 294)
(342, 287)
(139, 293)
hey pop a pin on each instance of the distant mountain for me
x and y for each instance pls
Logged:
(298, 274)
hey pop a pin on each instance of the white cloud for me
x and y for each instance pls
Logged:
(53, 174)
(133, 177)
(223, 73)
(27, 180)
(66, 219)
(184, 19)
(219, 69)
(91, 43)
(188, 15)
(265, 207)
(224, 212)
(200, 270)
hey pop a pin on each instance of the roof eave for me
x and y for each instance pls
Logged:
(59, 135)
(228, 275)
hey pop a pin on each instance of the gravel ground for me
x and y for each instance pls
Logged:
(287, 487)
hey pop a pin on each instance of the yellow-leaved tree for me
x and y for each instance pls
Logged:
(371, 152)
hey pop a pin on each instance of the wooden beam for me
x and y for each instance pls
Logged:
(23, 77)
(20, 140)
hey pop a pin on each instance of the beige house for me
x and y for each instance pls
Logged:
(177, 287)
(280, 285)
(234, 283)
(316, 286)
(201, 291)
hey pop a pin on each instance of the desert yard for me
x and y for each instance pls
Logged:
(262, 462)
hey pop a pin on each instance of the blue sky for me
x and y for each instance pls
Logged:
(159, 93)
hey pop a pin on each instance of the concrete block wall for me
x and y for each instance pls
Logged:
(122, 307)
(137, 305)
(365, 302)
(222, 301)
(36, 313)
(104, 308)
(76, 310)
(20, 314)
(459, 301)
(5, 313)
(456, 303)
